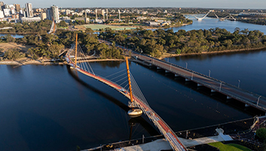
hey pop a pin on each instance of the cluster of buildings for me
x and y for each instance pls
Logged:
(16, 13)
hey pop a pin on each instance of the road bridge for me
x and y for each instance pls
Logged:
(246, 97)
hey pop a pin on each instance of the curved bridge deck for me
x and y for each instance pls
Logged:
(152, 115)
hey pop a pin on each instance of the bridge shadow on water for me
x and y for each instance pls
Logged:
(144, 122)
(207, 92)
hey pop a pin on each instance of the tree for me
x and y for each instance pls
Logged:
(62, 24)
(261, 133)
(178, 51)
(9, 38)
(13, 54)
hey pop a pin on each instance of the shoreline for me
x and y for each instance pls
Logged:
(38, 62)
(169, 55)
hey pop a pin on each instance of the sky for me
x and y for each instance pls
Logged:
(238, 4)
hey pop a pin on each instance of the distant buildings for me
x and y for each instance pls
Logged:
(52, 13)
(30, 19)
(29, 11)
(2, 14)
(43, 15)
(17, 7)
(6, 12)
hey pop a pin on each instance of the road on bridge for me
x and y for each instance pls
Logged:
(231, 91)
(214, 84)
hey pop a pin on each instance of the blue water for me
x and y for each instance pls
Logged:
(54, 108)
(15, 36)
(214, 23)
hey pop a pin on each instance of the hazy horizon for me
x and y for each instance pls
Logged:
(225, 4)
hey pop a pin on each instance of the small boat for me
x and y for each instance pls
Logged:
(135, 113)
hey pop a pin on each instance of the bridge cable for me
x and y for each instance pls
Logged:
(118, 76)
(115, 73)
(86, 64)
(136, 90)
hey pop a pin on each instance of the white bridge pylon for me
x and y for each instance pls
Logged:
(201, 18)
(138, 98)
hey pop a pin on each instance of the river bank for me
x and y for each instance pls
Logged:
(18, 33)
(167, 55)
(48, 62)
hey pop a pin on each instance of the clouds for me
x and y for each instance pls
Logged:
(259, 4)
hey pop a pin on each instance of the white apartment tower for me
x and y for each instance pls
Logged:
(53, 13)
(119, 14)
(29, 11)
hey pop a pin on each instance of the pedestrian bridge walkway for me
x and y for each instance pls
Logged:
(138, 98)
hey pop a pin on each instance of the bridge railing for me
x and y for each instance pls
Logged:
(151, 115)
(262, 98)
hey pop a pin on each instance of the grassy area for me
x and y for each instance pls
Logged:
(101, 26)
(229, 147)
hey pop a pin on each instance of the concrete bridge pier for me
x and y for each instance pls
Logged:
(199, 85)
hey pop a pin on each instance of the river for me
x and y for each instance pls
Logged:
(213, 23)
(15, 36)
(55, 108)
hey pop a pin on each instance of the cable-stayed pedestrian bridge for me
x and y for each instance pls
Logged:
(122, 84)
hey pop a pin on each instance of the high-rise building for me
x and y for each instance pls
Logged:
(43, 16)
(119, 14)
(103, 14)
(1, 5)
(53, 13)
(12, 9)
(106, 14)
(5, 6)
(6, 12)
(29, 11)
(1, 14)
(17, 6)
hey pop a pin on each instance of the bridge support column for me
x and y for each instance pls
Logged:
(199, 85)
(246, 105)
(228, 97)
(213, 90)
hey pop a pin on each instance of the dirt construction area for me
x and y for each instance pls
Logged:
(5, 46)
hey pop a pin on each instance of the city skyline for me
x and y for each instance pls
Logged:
(244, 4)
